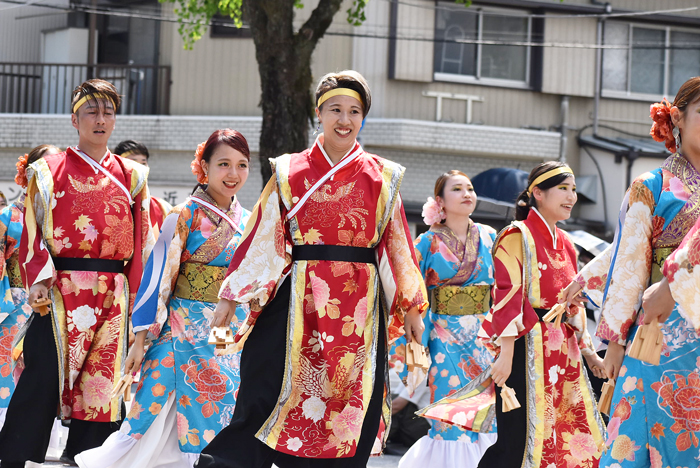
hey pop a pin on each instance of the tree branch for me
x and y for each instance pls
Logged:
(320, 20)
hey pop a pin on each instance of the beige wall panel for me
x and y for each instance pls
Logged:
(569, 71)
(626, 116)
(218, 77)
(414, 58)
(501, 107)
(333, 53)
(21, 27)
(370, 55)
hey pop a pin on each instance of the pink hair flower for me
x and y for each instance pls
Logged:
(432, 213)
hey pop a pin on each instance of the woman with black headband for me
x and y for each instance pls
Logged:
(328, 269)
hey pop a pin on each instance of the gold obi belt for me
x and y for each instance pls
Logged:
(461, 300)
(13, 272)
(198, 282)
(657, 262)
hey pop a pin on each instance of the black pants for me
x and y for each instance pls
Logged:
(262, 371)
(509, 449)
(406, 427)
(34, 405)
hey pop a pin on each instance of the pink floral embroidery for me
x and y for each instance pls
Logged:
(348, 424)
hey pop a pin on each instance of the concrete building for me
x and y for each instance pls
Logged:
(501, 83)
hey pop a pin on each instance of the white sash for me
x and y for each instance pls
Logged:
(218, 211)
(343, 162)
(96, 166)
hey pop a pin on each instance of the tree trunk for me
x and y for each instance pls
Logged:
(284, 64)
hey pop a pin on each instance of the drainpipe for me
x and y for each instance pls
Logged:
(598, 73)
(564, 126)
(599, 63)
(91, 41)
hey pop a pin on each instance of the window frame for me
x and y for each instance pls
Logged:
(216, 31)
(636, 96)
(487, 81)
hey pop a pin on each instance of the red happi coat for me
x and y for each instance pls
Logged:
(334, 306)
(74, 210)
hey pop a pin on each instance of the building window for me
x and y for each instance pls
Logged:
(223, 26)
(648, 62)
(463, 51)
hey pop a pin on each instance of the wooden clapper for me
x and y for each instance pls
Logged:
(416, 357)
(648, 343)
(510, 401)
(221, 337)
(123, 386)
(606, 395)
(42, 306)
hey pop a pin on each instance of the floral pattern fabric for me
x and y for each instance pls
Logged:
(684, 278)
(181, 362)
(159, 210)
(74, 210)
(334, 308)
(532, 265)
(654, 421)
(457, 356)
(14, 309)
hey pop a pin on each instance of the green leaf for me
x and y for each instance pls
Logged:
(194, 16)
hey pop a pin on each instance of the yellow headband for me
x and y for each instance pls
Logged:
(339, 92)
(127, 153)
(548, 175)
(95, 96)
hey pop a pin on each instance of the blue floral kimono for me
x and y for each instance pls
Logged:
(14, 310)
(655, 420)
(459, 280)
(184, 382)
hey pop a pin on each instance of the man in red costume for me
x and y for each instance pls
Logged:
(86, 232)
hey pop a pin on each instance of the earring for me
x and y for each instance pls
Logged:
(677, 136)
(318, 129)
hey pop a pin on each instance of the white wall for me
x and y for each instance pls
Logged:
(615, 181)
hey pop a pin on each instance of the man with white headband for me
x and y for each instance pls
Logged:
(86, 232)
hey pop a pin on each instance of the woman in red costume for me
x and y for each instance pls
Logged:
(558, 424)
(326, 244)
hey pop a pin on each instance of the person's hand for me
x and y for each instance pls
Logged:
(223, 314)
(135, 357)
(657, 302)
(570, 296)
(397, 404)
(37, 291)
(613, 359)
(501, 369)
(413, 325)
(596, 365)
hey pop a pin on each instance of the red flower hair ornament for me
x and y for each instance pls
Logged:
(196, 165)
(21, 177)
(662, 128)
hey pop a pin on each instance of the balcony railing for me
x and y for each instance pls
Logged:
(45, 88)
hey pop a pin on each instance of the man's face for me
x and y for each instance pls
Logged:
(95, 121)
